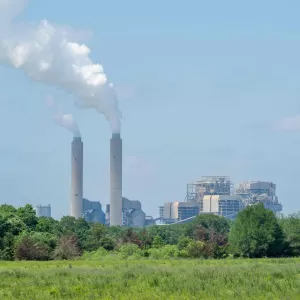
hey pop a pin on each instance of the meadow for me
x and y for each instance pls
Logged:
(114, 278)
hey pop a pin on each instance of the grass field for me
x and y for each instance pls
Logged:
(151, 279)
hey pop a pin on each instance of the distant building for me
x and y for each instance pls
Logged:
(176, 211)
(208, 185)
(132, 214)
(260, 192)
(149, 221)
(224, 205)
(92, 211)
(43, 211)
(212, 195)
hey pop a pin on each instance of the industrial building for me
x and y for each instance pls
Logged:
(224, 205)
(92, 211)
(208, 185)
(43, 211)
(213, 194)
(132, 214)
(260, 191)
(193, 205)
(175, 211)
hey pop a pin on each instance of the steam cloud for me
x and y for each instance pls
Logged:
(64, 120)
(46, 53)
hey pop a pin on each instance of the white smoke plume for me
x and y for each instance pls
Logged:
(62, 119)
(46, 53)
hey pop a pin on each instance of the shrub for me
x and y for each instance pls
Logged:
(130, 250)
(183, 242)
(165, 252)
(67, 248)
(30, 247)
(95, 255)
(157, 242)
(195, 249)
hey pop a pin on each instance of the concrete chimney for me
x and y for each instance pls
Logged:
(116, 180)
(77, 178)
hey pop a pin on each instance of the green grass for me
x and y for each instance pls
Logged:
(151, 279)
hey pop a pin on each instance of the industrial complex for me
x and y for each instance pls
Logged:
(216, 195)
(209, 195)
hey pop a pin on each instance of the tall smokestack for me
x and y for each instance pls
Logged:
(116, 180)
(77, 178)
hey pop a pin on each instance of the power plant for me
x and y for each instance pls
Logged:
(215, 195)
(116, 180)
(77, 178)
(121, 211)
(209, 195)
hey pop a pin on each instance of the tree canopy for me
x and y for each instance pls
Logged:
(256, 233)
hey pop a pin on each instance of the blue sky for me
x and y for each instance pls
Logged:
(201, 85)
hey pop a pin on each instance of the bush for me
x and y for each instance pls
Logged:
(165, 252)
(95, 255)
(157, 242)
(183, 242)
(195, 249)
(67, 248)
(130, 250)
(32, 247)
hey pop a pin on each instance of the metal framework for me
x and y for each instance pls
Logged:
(161, 211)
(208, 185)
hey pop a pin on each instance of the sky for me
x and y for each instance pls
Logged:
(204, 87)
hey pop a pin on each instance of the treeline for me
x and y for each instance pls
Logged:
(255, 233)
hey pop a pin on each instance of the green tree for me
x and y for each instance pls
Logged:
(8, 209)
(291, 228)
(94, 237)
(256, 233)
(34, 246)
(79, 227)
(28, 216)
(183, 242)
(157, 242)
(208, 222)
(49, 225)
(195, 249)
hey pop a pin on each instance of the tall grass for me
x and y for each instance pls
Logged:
(151, 279)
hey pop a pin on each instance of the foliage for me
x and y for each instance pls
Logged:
(157, 242)
(291, 229)
(67, 247)
(148, 279)
(183, 242)
(130, 250)
(34, 246)
(95, 255)
(256, 233)
(195, 249)
(28, 216)
(165, 252)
